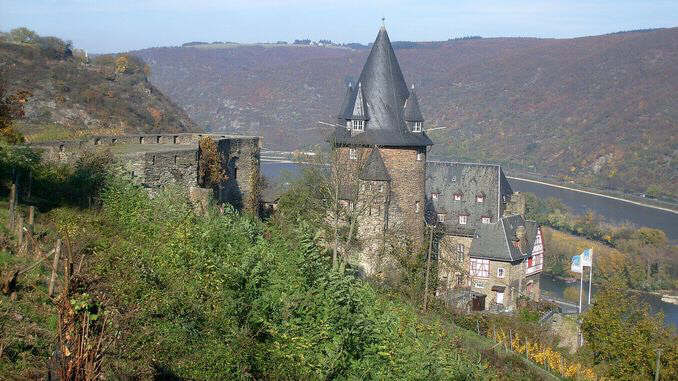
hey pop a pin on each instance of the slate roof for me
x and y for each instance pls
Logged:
(374, 168)
(470, 180)
(495, 241)
(384, 94)
(412, 111)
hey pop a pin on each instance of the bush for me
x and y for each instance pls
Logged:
(210, 298)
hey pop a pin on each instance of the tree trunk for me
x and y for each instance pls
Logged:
(428, 269)
(336, 225)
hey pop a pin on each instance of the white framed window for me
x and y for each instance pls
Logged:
(453, 179)
(500, 297)
(480, 267)
(486, 220)
(441, 217)
(478, 284)
(348, 125)
(500, 272)
(353, 154)
(463, 219)
(420, 156)
(457, 197)
(417, 126)
(480, 198)
(416, 207)
(358, 125)
(434, 196)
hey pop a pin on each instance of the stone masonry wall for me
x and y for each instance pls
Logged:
(155, 160)
(408, 189)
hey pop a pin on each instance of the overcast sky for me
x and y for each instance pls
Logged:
(121, 25)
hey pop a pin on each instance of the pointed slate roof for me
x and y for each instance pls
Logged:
(384, 92)
(412, 112)
(348, 101)
(375, 169)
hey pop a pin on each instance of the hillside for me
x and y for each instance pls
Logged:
(599, 110)
(70, 96)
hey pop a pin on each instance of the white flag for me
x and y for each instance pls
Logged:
(587, 258)
(576, 264)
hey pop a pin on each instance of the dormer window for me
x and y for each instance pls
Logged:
(417, 126)
(457, 197)
(348, 125)
(352, 154)
(486, 220)
(420, 156)
(441, 217)
(434, 196)
(358, 125)
(463, 219)
(480, 198)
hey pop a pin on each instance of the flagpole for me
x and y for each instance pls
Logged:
(590, 277)
(581, 287)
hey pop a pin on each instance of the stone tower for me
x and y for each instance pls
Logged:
(380, 138)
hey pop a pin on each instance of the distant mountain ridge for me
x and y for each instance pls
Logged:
(600, 110)
(71, 96)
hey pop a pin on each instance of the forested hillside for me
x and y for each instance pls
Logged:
(67, 94)
(598, 110)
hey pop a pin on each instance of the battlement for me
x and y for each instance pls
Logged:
(156, 160)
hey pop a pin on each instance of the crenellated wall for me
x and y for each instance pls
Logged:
(156, 160)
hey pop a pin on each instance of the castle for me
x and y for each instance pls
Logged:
(487, 254)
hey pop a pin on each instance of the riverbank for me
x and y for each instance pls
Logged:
(638, 199)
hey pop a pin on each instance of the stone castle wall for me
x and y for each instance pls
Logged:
(156, 160)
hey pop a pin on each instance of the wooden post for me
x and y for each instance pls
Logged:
(20, 230)
(494, 333)
(31, 217)
(12, 206)
(428, 269)
(55, 263)
(511, 338)
(656, 373)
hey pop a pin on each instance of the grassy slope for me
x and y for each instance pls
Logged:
(29, 322)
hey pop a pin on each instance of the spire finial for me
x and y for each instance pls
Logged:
(383, 22)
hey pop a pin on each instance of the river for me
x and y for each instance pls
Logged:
(615, 211)
(611, 210)
(554, 287)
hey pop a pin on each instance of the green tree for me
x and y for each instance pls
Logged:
(623, 336)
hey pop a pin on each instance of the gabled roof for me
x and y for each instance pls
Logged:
(412, 112)
(374, 169)
(384, 92)
(495, 241)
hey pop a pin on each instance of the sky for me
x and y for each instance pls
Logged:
(105, 26)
